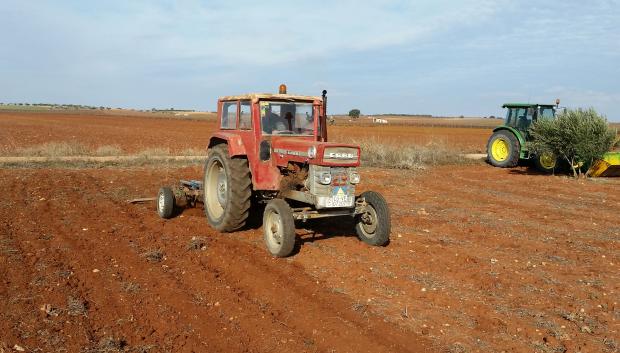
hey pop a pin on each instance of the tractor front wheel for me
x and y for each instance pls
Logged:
(373, 225)
(546, 162)
(503, 149)
(165, 202)
(279, 228)
(227, 190)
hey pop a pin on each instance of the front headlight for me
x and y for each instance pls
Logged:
(354, 178)
(325, 178)
(312, 152)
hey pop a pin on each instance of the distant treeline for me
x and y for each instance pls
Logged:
(86, 107)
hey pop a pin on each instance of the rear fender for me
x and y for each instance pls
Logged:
(234, 142)
(523, 153)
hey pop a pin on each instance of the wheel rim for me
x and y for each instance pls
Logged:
(500, 149)
(161, 201)
(547, 160)
(368, 221)
(273, 229)
(216, 189)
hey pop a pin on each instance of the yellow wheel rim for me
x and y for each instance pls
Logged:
(500, 149)
(547, 160)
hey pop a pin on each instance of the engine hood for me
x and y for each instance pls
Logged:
(288, 149)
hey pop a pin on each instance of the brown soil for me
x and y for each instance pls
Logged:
(481, 259)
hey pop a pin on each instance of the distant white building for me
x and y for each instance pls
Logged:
(378, 120)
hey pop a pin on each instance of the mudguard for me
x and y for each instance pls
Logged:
(236, 147)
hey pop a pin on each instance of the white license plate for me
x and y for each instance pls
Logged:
(339, 201)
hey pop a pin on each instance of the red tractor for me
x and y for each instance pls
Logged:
(272, 149)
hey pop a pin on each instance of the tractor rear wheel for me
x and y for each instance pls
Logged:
(373, 225)
(503, 149)
(227, 190)
(546, 162)
(279, 228)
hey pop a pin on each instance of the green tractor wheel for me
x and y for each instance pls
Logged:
(546, 162)
(503, 149)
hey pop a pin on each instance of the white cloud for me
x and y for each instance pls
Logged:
(246, 32)
(584, 98)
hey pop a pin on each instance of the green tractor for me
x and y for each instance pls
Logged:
(507, 145)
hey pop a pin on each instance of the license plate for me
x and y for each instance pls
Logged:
(339, 201)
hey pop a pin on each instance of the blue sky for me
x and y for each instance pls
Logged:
(427, 57)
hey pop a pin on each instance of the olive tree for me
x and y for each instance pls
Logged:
(354, 113)
(578, 136)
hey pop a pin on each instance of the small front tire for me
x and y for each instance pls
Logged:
(165, 202)
(373, 225)
(279, 228)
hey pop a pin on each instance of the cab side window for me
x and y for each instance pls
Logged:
(229, 115)
(245, 115)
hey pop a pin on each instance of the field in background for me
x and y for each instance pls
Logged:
(137, 131)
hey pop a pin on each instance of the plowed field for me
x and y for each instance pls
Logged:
(481, 260)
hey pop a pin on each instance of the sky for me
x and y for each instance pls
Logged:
(418, 57)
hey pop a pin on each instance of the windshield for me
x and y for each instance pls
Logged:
(547, 112)
(519, 117)
(287, 118)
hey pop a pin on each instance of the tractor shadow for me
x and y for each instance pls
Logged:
(533, 171)
(529, 168)
(312, 232)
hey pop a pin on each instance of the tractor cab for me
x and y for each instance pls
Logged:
(520, 116)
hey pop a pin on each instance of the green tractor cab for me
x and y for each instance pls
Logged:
(507, 145)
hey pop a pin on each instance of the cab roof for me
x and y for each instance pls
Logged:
(271, 96)
(526, 105)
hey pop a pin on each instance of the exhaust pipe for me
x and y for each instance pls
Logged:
(324, 117)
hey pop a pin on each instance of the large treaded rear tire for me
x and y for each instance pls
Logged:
(228, 210)
(514, 149)
(374, 226)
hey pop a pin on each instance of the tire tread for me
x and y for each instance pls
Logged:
(384, 226)
(240, 186)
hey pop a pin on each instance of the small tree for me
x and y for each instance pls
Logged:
(577, 136)
(354, 113)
